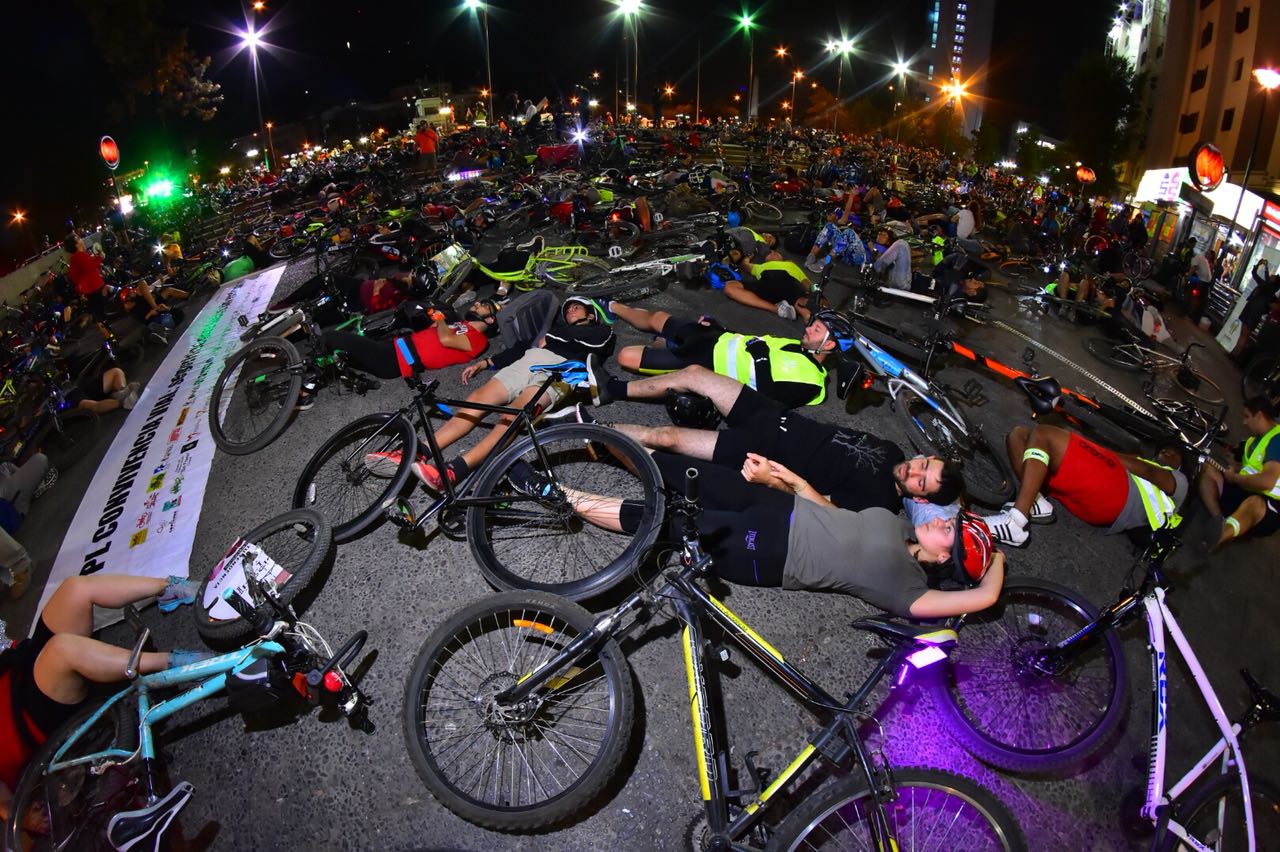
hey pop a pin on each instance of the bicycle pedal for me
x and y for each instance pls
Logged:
(401, 514)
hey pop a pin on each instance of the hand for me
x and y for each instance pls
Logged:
(756, 469)
(791, 480)
(471, 369)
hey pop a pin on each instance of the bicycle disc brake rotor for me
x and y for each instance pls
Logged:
(507, 720)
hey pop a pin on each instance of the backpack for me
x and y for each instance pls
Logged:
(527, 317)
(801, 238)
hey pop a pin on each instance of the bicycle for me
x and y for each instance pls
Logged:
(1261, 377)
(633, 281)
(1134, 354)
(1060, 661)
(519, 542)
(100, 781)
(519, 707)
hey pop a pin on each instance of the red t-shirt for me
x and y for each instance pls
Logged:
(84, 270)
(434, 355)
(426, 140)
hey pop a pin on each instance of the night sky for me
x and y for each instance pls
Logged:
(59, 85)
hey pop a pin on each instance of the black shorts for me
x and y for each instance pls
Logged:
(96, 304)
(758, 424)
(1234, 495)
(688, 342)
(48, 715)
(775, 286)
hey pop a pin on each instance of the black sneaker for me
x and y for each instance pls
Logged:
(530, 482)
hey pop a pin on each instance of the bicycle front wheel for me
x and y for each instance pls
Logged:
(931, 811)
(762, 211)
(284, 554)
(1195, 383)
(254, 395)
(516, 767)
(1007, 708)
(988, 478)
(1214, 815)
(1262, 376)
(357, 472)
(72, 807)
(1122, 355)
(547, 544)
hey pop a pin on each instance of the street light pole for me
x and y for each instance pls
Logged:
(795, 78)
(1268, 79)
(483, 9)
(841, 49)
(271, 145)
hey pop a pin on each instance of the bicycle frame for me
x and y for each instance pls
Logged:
(898, 375)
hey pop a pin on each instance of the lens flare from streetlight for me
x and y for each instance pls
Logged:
(1268, 78)
(593, 103)
(251, 153)
(745, 21)
(786, 105)
(669, 91)
(19, 217)
(251, 39)
(630, 7)
(225, 170)
(781, 51)
(259, 6)
(473, 5)
(799, 75)
(900, 68)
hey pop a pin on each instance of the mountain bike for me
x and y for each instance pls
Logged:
(1060, 663)
(519, 707)
(1135, 354)
(519, 542)
(633, 281)
(1262, 377)
(100, 781)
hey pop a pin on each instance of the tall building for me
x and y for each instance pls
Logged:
(1195, 59)
(960, 53)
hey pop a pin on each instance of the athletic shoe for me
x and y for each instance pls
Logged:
(180, 592)
(1041, 511)
(387, 463)
(814, 264)
(786, 311)
(306, 401)
(598, 379)
(431, 477)
(530, 482)
(50, 477)
(602, 307)
(158, 337)
(1009, 527)
(129, 401)
(574, 414)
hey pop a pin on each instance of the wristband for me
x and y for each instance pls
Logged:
(1035, 454)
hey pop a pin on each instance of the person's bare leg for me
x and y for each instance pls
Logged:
(114, 380)
(477, 454)
(735, 291)
(464, 420)
(1209, 485)
(1246, 516)
(721, 390)
(697, 443)
(99, 406)
(70, 609)
(1049, 440)
(69, 663)
(603, 512)
(639, 318)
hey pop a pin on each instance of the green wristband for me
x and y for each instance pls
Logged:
(1035, 454)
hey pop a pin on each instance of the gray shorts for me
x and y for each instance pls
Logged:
(516, 377)
(1134, 514)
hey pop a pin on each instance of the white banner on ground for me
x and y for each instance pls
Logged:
(139, 514)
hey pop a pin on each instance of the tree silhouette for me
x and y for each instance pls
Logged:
(1101, 104)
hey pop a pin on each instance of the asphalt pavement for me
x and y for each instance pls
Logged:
(320, 785)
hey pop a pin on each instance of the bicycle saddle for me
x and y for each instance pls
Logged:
(899, 631)
(1266, 700)
(142, 829)
(1044, 393)
(565, 367)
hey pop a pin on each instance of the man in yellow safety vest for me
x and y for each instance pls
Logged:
(1246, 499)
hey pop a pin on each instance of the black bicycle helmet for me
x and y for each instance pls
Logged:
(692, 410)
(838, 328)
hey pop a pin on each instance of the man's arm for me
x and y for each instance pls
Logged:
(939, 604)
(1263, 480)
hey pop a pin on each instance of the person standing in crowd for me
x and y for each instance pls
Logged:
(85, 271)
(1265, 293)
(427, 141)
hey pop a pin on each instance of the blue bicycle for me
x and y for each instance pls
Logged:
(99, 783)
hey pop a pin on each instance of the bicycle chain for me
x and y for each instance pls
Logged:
(1064, 359)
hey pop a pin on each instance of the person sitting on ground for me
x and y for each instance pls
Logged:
(19, 486)
(749, 245)
(957, 277)
(839, 239)
(1243, 499)
(444, 342)
(1097, 485)
(105, 393)
(851, 469)
(46, 679)
(777, 286)
(1075, 284)
(786, 370)
(758, 536)
(157, 317)
(894, 261)
(581, 331)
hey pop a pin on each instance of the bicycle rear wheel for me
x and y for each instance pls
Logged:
(357, 472)
(988, 478)
(931, 811)
(1195, 383)
(76, 802)
(516, 767)
(545, 544)
(762, 211)
(622, 286)
(254, 395)
(1005, 709)
(1214, 815)
(1122, 355)
(1262, 376)
(283, 553)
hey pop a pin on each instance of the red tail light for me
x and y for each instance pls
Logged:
(332, 681)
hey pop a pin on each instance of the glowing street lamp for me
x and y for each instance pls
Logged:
(252, 39)
(630, 10)
(796, 77)
(781, 51)
(19, 217)
(478, 6)
(841, 49)
(252, 153)
(669, 90)
(1268, 79)
(225, 170)
(745, 23)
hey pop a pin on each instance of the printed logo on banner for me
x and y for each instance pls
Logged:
(175, 436)
(150, 502)
(189, 446)
(182, 417)
(156, 482)
(170, 505)
(143, 520)
(177, 485)
(137, 539)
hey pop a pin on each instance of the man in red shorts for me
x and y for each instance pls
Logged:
(1099, 486)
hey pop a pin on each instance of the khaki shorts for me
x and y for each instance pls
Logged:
(516, 377)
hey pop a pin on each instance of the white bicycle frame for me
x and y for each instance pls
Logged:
(1159, 621)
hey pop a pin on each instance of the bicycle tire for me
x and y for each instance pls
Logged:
(515, 546)
(1195, 383)
(1261, 377)
(968, 816)
(1115, 354)
(762, 211)
(339, 463)
(626, 286)
(539, 625)
(269, 396)
(87, 800)
(298, 541)
(1224, 791)
(1019, 268)
(988, 478)
(287, 248)
(988, 682)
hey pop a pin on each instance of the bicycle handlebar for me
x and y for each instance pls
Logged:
(344, 655)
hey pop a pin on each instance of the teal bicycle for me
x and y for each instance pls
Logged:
(99, 782)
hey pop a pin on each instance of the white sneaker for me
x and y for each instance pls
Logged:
(1041, 511)
(786, 311)
(1009, 527)
(814, 264)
